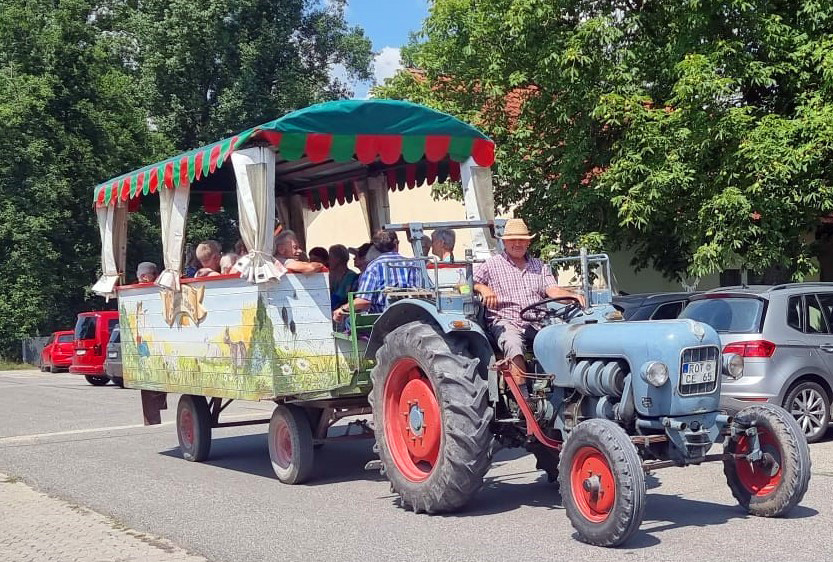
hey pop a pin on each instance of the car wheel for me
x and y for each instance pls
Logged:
(810, 406)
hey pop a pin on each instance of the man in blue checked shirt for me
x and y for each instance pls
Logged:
(378, 276)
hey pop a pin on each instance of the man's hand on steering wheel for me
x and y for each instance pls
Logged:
(538, 311)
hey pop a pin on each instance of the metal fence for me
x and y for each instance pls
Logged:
(32, 348)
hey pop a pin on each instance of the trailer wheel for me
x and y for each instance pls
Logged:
(602, 483)
(193, 427)
(290, 444)
(96, 380)
(770, 487)
(432, 415)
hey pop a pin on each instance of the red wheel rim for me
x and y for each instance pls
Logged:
(413, 423)
(283, 445)
(756, 477)
(186, 426)
(593, 485)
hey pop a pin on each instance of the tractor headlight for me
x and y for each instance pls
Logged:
(733, 365)
(655, 373)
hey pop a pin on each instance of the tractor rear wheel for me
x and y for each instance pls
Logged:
(772, 486)
(431, 418)
(602, 483)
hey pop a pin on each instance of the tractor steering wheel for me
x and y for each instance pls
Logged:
(536, 312)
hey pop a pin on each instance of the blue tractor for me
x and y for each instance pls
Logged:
(608, 401)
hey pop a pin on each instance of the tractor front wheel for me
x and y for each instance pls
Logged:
(775, 483)
(431, 418)
(602, 483)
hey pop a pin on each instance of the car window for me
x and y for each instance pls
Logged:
(668, 311)
(65, 338)
(826, 300)
(85, 328)
(794, 315)
(112, 323)
(727, 314)
(814, 317)
(115, 336)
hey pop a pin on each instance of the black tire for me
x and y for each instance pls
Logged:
(546, 459)
(813, 418)
(782, 438)
(44, 368)
(96, 380)
(290, 444)
(610, 447)
(193, 427)
(460, 399)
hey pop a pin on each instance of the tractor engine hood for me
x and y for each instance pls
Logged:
(560, 347)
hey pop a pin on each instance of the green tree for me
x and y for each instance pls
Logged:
(212, 67)
(697, 133)
(69, 117)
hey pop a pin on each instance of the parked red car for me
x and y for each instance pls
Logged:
(92, 332)
(58, 352)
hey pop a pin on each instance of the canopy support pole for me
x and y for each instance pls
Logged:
(479, 204)
(378, 203)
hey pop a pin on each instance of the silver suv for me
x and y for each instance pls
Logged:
(785, 335)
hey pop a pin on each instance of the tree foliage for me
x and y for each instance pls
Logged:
(697, 133)
(89, 90)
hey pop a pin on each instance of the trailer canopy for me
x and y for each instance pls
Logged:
(323, 149)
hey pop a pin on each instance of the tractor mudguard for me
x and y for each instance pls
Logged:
(409, 310)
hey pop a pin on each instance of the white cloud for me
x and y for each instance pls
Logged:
(386, 63)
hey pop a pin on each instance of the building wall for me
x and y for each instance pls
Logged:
(346, 224)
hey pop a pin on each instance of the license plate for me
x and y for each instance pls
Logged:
(699, 372)
(80, 352)
(112, 354)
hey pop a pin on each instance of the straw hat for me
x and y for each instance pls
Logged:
(516, 229)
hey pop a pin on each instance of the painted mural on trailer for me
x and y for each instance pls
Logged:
(229, 339)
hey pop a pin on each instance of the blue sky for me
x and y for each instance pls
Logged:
(387, 23)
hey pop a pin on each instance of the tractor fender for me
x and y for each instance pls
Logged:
(410, 310)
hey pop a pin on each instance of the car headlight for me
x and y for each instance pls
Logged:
(733, 365)
(655, 373)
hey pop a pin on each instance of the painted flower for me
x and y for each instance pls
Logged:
(285, 349)
(286, 370)
(302, 364)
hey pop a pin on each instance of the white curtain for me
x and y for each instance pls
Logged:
(112, 225)
(254, 170)
(173, 207)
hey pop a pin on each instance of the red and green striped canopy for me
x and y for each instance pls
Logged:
(365, 130)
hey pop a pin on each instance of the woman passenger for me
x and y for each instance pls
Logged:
(342, 279)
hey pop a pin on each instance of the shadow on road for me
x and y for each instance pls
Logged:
(335, 462)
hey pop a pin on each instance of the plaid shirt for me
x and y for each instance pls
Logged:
(377, 276)
(515, 288)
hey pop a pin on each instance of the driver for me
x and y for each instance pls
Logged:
(509, 282)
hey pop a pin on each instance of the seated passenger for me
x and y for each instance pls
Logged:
(342, 279)
(442, 244)
(288, 252)
(426, 245)
(227, 263)
(147, 272)
(378, 276)
(319, 254)
(208, 253)
(365, 254)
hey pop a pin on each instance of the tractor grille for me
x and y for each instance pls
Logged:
(695, 354)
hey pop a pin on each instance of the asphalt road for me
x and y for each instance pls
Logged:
(86, 444)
